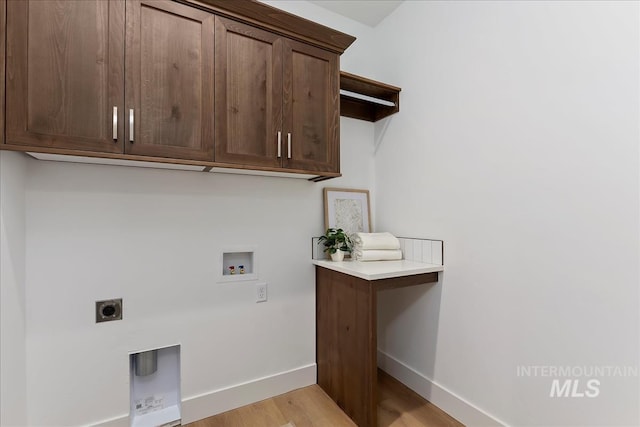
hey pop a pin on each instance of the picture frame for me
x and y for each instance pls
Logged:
(348, 209)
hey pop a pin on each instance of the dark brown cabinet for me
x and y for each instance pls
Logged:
(311, 116)
(169, 80)
(69, 77)
(211, 83)
(248, 81)
(61, 87)
(276, 101)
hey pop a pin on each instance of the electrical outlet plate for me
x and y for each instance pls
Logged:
(261, 292)
(107, 310)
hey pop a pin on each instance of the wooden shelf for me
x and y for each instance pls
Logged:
(367, 99)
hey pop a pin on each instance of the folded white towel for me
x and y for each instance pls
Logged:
(378, 255)
(366, 241)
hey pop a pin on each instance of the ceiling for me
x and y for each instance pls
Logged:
(368, 12)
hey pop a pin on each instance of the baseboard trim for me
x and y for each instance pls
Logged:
(460, 409)
(205, 405)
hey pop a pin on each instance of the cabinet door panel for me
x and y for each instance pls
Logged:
(311, 107)
(65, 73)
(169, 80)
(248, 94)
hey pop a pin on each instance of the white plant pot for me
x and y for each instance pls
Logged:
(338, 256)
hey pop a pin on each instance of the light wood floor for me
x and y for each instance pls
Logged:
(398, 406)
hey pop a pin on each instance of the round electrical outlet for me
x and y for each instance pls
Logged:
(108, 310)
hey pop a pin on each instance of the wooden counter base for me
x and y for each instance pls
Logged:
(346, 338)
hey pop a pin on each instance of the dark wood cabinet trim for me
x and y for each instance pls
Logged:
(365, 86)
(278, 21)
(322, 178)
(132, 157)
(367, 110)
(3, 27)
(401, 282)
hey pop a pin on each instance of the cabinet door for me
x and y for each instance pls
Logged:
(65, 74)
(169, 80)
(248, 94)
(311, 108)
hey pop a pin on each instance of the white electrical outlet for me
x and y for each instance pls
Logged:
(261, 292)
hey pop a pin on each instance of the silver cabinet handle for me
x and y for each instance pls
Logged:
(115, 123)
(279, 144)
(130, 124)
(289, 145)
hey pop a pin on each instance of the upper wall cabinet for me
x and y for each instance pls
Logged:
(67, 68)
(311, 108)
(212, 83)
(248, 94)
(65, 74)
(169, 84)
(286, 90)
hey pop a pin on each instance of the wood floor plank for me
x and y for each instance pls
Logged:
(398, 406)
(263, 414)
(260, 414)
(305, 407)
(312, 408)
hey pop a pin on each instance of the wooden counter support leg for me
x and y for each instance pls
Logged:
(346, 348)
(346, 343)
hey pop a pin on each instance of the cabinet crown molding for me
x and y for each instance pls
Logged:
(278, 21)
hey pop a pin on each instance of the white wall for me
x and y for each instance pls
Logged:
(12, 289)
(516, 143)
(153, 238)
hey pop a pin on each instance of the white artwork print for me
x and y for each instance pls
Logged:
(347, 209)
(349, 215)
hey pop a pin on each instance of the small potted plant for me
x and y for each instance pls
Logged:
(336, 243)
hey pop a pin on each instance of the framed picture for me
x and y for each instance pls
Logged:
(347, 209)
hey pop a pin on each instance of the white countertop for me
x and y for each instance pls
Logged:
(375, 270)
